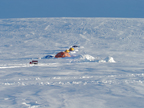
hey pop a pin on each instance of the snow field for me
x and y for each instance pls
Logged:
(107, 71)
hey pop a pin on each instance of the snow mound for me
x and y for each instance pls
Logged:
(87, 58)
(108, 59)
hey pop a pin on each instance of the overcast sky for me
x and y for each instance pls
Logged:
(71, 8)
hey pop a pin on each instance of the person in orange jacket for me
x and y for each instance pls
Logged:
(64, 54)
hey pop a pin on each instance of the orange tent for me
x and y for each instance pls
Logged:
(62, 55)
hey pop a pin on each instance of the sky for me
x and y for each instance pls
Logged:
(71, 8)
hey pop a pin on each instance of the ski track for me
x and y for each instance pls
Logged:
(81, 80)
(4, 66)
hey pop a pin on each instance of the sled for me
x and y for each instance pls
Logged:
(34, 62)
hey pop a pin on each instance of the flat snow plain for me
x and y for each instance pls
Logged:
(108, 71)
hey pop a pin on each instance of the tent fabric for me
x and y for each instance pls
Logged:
(62, 55)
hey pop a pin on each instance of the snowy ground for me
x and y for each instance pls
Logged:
(108, 72)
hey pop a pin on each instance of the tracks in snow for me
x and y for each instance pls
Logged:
(76, 80)
(4, 66)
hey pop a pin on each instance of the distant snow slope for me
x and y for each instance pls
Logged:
(107, 71)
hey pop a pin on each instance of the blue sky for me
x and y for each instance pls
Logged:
(71, 8)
